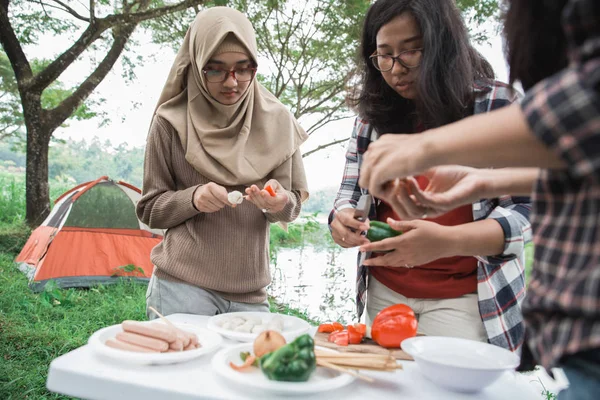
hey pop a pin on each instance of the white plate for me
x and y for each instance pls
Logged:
(321, 380)
(459, 364)
(209, 340)
(292, 326)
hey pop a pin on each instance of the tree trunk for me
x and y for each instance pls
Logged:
(37, 198)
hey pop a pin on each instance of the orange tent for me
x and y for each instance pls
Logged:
(91, 236)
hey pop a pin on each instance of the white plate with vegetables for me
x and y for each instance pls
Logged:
(246, 326)
(321, 379)
(123, 345)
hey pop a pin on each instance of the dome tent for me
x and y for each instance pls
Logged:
(91, 236)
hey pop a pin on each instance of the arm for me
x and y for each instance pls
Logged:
(341, 221)
(453, 186)
(500, 138)
(554, 128)
(162, 205)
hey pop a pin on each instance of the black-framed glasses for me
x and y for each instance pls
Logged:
(221, 75)
(408, 59)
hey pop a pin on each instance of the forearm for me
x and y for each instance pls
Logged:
(512, 181)
(499, 138)
(479, 238)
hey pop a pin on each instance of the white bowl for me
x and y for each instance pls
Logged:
(459, 364)
(209, 340)
(292, 326)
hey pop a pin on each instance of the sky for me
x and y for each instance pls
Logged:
(130, 106)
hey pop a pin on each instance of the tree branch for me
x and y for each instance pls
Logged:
(324, 146)
(327, 118)
(93, 32)
(67, 107)
(13, 48)
(69, 10)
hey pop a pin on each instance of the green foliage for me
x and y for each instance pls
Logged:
(12, 124)
(13, 237)
(12, 198)
(129, 270)
(321, 201)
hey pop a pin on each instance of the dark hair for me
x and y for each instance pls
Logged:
(536, 46)
(448, 70)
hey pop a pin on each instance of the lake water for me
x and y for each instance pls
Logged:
(318, 281)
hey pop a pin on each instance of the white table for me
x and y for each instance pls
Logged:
(81, 373)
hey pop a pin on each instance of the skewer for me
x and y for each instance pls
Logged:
(344, 370)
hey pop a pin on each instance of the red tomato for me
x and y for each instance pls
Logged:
(326, 328)
(340, 338)
(362, 328)
(337, 326)
(354, 335)
(394, 324)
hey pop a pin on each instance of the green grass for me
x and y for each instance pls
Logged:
(35, 329)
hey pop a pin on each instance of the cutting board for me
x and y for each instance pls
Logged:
(367, 346)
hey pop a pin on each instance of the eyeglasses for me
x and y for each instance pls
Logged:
(408, 59)
(221, 75)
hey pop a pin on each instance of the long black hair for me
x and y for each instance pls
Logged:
(536, 45)
(449, 68)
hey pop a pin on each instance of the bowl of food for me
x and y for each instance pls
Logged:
(246, 326)
(459, 364)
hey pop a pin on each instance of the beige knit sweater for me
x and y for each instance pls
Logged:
(226, 251)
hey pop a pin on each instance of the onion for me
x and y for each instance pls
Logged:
(267, 342)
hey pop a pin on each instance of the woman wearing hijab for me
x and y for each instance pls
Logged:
(215, 130)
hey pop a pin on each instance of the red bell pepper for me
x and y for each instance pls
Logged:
(394, 324)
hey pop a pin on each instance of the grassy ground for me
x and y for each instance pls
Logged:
(36, 328)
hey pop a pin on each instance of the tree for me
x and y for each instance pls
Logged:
(102, 25)
(12, 125)
(309, 48)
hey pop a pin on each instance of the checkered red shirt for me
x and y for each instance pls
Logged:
(562, 308)
(501, 280)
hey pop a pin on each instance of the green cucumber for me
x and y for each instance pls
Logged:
(380, 230)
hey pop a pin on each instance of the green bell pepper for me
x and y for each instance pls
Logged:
(293, 362)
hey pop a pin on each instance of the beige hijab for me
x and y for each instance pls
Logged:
(248, 142)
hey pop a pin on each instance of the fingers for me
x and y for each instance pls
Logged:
(404, 205)
(263, 200)
(346, 231)
(210, 198)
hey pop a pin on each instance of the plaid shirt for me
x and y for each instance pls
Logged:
(562, 310)
(501, 279)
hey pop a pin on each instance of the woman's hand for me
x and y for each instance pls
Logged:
(210, 198)
(345, 230)
(420, 243)
(449, 187)
(391, 157)
(264, 200)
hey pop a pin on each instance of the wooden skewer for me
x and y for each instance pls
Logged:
(321, 353)
(344, 370)
(163, 318)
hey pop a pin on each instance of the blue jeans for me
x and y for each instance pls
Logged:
(583, 371)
